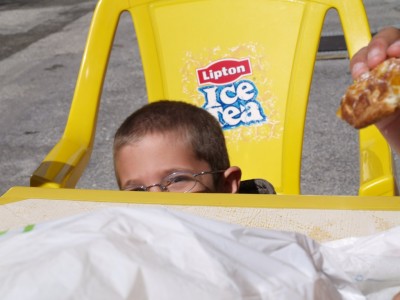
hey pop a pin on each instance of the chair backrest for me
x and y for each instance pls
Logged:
(248, 62)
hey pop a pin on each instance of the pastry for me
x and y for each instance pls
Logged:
(373, 96)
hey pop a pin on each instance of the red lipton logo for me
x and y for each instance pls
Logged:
(224, 71)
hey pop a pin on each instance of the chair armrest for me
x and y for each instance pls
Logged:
(63, 166)
(376, 171)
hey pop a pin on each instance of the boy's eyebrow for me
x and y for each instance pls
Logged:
(171, 171)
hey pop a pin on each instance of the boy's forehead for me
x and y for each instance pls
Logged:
(169, 137)
(154, 157)
(166, 146)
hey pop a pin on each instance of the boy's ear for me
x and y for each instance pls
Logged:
(231, 182)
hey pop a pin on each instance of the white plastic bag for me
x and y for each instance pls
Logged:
(157, 253)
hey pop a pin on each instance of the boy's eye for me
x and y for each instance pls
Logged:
(179, 178)
(179, 182)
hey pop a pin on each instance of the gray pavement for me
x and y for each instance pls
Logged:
(41, 47)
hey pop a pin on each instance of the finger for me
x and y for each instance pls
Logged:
(394, 49)
(358, 64)
(380, 44)
(377, 51)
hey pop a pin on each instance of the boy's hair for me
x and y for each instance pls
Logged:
(197, 126)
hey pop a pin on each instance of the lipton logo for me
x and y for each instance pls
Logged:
(224, 71)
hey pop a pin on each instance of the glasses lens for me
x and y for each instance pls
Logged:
(179, 182)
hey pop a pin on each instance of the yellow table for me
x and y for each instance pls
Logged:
(321, 217)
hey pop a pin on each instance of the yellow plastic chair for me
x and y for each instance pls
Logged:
(249, 62)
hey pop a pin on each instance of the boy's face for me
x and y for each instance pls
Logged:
(156, 156)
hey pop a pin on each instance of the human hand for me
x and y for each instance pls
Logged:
(385, 44)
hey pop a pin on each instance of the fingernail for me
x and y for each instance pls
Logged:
(359, 68)
(395, 44)
(374, 53)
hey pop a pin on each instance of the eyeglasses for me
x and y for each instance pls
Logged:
(179, 182)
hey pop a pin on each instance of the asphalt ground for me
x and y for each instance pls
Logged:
(41, 47)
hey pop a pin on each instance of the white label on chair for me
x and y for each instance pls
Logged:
(233, 103)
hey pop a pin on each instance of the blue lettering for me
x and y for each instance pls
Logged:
(234, 104)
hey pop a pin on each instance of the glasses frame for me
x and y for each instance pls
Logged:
(164, 188)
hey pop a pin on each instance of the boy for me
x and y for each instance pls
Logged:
(177, 147)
